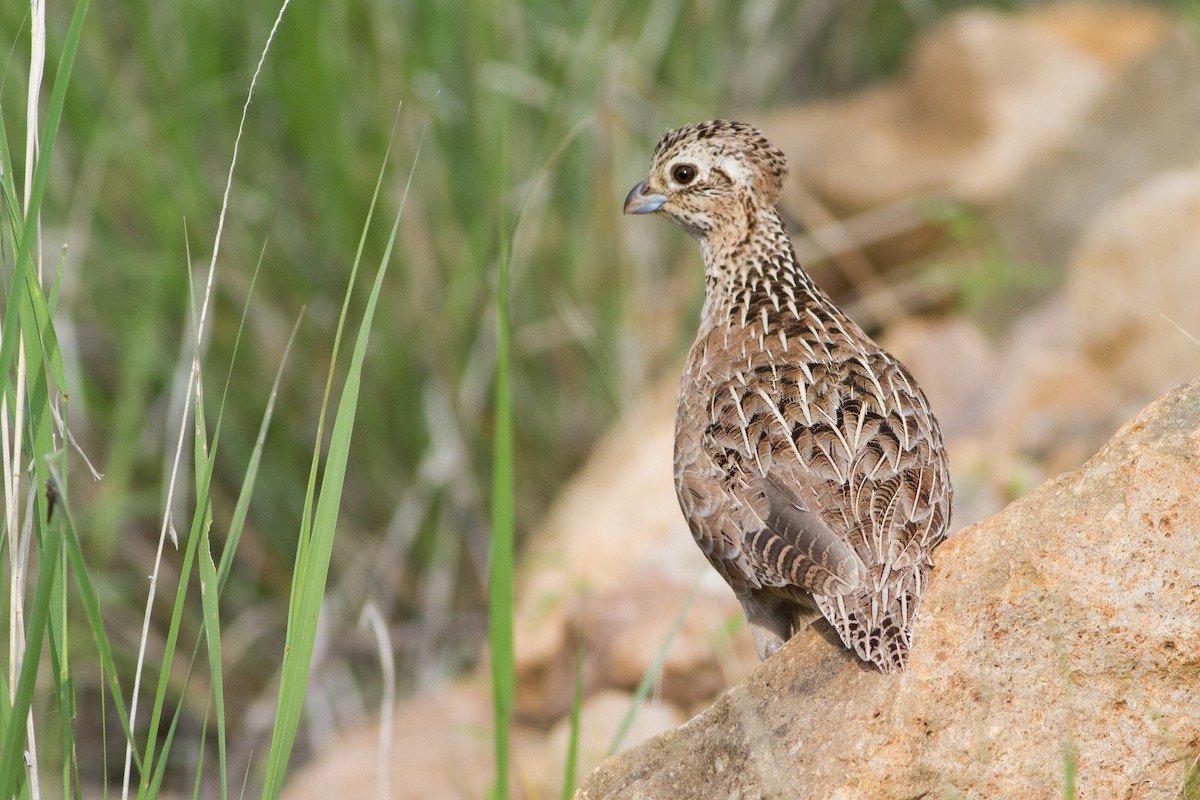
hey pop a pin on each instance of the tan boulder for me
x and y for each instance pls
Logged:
(1134, 285)
(1050, 406)
(983, 97)
(1059, 637)
(1143, 124)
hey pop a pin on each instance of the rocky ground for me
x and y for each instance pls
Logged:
(1061, 630)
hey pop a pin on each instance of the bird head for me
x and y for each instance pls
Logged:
(708, 176)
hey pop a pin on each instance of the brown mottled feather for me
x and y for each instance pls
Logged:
(807, 462)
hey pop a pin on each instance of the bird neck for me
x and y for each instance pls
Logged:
(754, 257)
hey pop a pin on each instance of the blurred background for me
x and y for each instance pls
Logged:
(947, 168)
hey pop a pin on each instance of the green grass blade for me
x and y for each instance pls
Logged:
(11, 202)
(154, 781)
(23, 263)
(568, 787)
(1070, 769)
(500, 578)
(37, 335)
(209, 594)
(1189, 789)
(12, 744)
(222, 572)
(64, 696)
(60, 675)
(151, 781)
(151, 751)
(6, 711)
(312, 564)
(313, 571)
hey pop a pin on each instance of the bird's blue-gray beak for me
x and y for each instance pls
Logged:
(638, 202)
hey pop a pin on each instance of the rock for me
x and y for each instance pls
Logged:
(1117, 36)
(1143, 124)
(1051, 406)
(1134, 284)
(984, 96)
(1065, 630)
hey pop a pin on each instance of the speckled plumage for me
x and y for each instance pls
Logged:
(807, 462)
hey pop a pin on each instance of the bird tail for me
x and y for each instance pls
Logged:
(877, 623)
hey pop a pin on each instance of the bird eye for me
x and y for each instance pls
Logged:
(683, 174)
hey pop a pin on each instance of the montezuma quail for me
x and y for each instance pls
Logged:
(807, 462)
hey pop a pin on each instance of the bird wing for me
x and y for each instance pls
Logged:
(796, 547)
(759, 520)
(827, 480)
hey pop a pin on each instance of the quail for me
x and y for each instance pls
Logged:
(807, 462)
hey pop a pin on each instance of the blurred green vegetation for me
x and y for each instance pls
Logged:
(600, 309)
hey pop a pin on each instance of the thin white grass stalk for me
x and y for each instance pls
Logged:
(212, 268)
(37, 69)
(13, 466)
(373, 618)
(31, 762)
(17, 636)
(37, 66)
(654, 671)
(212, 264)
(13, 438)
(245, 783)
(1187, 334)
(545, 171)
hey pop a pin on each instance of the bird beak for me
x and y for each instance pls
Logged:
(638, 202)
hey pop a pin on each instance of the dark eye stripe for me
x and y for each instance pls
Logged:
(719, 175)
